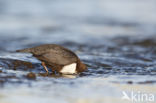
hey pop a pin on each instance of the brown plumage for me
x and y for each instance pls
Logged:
(55, 57)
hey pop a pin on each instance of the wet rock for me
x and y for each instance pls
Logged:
(43, 74)
(13, 64)
(130, 82)
(18, 63)
(146, 43)
(147, 82)
(31, 76)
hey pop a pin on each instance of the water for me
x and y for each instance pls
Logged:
(115, 39)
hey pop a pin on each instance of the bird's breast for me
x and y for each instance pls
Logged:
(69, 69)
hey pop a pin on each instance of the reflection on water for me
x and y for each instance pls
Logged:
(115, 39)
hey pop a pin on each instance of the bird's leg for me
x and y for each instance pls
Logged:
(43, 64)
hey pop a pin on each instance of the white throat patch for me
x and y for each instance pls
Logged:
(69, 69)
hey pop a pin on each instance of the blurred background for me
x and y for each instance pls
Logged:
(115, 38)
(52, 21)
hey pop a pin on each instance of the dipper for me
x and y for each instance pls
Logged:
(57, 58)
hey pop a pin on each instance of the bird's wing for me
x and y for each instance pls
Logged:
(59, 58)
(52, 53)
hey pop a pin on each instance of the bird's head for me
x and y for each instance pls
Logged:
(81, 66)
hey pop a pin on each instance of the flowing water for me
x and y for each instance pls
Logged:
(115, 39)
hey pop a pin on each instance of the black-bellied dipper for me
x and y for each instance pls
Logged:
(57, 58)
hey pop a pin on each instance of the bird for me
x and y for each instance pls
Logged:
(56, 57)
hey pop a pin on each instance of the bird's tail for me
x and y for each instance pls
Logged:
(27, 50)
